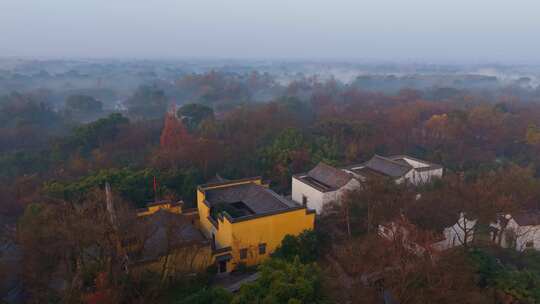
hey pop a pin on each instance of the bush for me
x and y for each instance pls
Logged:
(517, 274)
(306, 246)
(283, 281)
(208, 296)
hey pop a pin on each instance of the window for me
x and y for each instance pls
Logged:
(262, 248)
(304, 200)
(243, 253)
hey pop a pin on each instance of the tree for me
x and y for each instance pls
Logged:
(193, 114)
(283, 281)
(84, 241)
(306, 246)
(174, 135)
(83, 107)
(28, 123)
(208, 296)
(379, 200)
(97, 133)
(370, 267)
(288, 153)
(148, 102)
(175, 143)
(515, 275)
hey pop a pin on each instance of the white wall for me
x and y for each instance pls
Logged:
(521, 234)
(420, 177)
(338, 195)
(457, 235)
(415, 163)
(317, 199)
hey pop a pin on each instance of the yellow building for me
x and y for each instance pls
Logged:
(246, 221)
(154, 207)
(172, 243)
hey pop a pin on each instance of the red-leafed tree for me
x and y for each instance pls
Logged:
(174, 135)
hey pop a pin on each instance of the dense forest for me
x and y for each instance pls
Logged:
(167, 138)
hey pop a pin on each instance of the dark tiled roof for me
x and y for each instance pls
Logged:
(387, 166)
(328, 176)
(366, 172)
(163, 222)
(258, 199)
(530, 218)
(401, 159)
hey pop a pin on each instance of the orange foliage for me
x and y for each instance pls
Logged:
(174, 135)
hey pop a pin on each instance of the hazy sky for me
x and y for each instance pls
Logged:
(420, 30)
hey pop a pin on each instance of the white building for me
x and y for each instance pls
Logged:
(324, 183)
(519, 231)
(401, 168)
(459, 233)
(321, 185)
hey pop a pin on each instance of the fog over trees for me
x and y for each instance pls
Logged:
(160, 130)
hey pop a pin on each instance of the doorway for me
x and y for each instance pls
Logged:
(222, 266)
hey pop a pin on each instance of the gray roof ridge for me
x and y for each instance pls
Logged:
(430, 164)
(329, 166)
(393, 161)
(282, 199)
(523, 217)
(338, 172)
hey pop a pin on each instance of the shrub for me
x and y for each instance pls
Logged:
(306, 246)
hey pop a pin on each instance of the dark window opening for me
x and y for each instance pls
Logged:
(236, 209)
(242, 208)
(262, 248)
(243, 253)
(222, 267)
(304, 200)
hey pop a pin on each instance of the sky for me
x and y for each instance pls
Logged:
(389, 30)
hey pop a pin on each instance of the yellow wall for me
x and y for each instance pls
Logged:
(184, 260)
(270, 230)
(224, 235)
(155, 208)
(250, 233)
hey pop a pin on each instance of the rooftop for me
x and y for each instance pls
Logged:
(528, 218)
(325, 177)
(393, 166)
(168, 230)
(247, 199)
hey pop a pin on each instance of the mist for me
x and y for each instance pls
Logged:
(412, 31)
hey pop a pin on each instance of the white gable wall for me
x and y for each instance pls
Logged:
(416, 177)
(462, 232)
(415, 163)
(519, 236)
(316, 199)
(338, 195)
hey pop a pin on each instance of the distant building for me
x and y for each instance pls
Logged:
(455, 232)
(519, 231)
(246, 221)
(401, 168)
(321, 185)
(458, 233)
(324, 183)
(165, 205)
(173, 242)
(236, 222)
